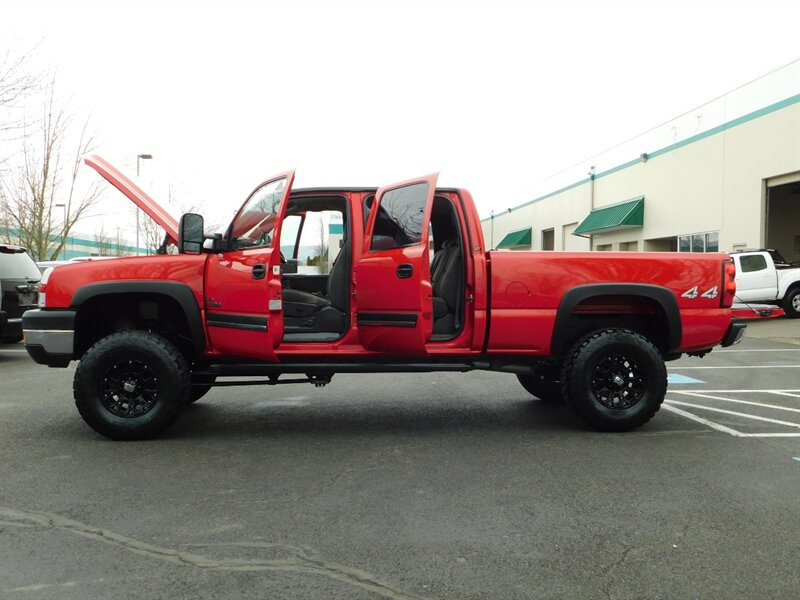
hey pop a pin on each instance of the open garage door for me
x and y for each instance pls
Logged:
(782, 217)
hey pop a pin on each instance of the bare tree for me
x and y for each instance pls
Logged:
(44, 179)
(152, 233)
(16, 81)
(105, 243)
(321, 246)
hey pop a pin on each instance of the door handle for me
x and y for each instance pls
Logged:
(259, 271)
(405, 271)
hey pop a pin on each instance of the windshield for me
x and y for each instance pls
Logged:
(253, 226)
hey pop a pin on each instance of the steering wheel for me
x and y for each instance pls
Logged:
(283, 259)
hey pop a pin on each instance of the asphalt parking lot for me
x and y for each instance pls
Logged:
(411, 486)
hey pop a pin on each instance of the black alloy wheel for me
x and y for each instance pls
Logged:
(131, 385)
(614, 379)
(129, 388)
(618, 382)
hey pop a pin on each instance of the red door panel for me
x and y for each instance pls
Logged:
(243, 285)
(392, 275)
(237, 304)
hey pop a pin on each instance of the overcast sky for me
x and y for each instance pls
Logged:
(497, 96)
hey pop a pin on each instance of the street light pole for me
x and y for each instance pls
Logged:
(139, 157)
(63, 231)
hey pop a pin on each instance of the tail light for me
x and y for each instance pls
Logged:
(728, 283)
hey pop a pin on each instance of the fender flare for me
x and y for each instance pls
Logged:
(181, 293)
(661, 295)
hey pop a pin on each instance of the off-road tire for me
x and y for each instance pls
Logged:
(131, 385)
(198, 391)
(791, 303)
(614, 379)
(543, 387)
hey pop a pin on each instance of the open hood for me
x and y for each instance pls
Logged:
(153, 209)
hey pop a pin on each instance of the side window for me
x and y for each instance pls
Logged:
(756, 262)
(290, 229)
(399, 219)
(253, 225)
(321, 240)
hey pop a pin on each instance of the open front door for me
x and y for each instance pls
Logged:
(392, 275)
(243, 305)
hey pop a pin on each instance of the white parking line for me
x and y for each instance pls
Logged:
(701, 420)
(700, 395)
(677, 368)
(759, 350)
(788, 392)
(736, 414)
(784, 393)
(760, 435)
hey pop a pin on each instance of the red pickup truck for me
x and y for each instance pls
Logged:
(412, 288)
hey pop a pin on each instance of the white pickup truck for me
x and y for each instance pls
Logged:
(763, 276)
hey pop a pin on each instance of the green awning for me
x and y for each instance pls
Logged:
(613, 218)
(515, 239)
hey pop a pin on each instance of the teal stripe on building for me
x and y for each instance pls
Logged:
(790, 101)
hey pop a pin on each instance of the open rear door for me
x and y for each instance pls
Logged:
(244, 310)
(392, 275)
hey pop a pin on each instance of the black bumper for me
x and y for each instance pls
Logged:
(49, 336)
(735, 334)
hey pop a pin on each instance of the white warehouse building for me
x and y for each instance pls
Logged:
(724, 176)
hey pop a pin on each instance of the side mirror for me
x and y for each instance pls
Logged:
(190, 234)
(215, 243)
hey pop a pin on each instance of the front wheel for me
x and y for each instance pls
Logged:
(131, 385)
(791, 303)
(614, 379)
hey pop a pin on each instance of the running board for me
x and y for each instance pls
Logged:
(255, 369)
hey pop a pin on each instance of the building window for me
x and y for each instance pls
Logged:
(603, 247)
(699, 242)
(629, 246)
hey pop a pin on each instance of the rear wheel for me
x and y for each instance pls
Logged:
(614, 380)
(131, 385)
